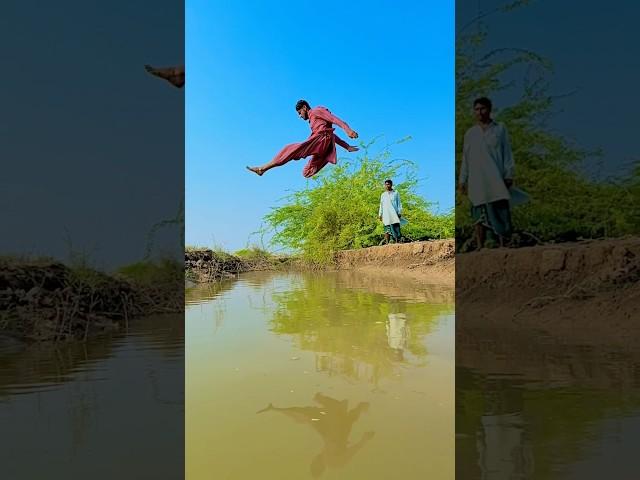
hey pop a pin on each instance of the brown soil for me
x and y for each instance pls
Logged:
(585, 293)
(429, 262)
(396, 286)
(204, 265)
(46, 300)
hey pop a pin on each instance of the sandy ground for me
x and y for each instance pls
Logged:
(426, 262)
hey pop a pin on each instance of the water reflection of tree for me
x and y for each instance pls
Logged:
(348, 328)
(333, 421)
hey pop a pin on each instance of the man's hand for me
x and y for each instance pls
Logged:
(352, 134)
(352, 149)
(508, 182)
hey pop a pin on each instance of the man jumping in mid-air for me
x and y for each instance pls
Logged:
(321, 144)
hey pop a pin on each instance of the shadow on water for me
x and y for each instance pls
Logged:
(333, 421)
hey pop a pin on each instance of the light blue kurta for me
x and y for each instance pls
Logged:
(390, 207)
(487, 161)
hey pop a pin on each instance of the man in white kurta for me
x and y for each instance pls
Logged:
(397, 333)
(486, 174)
(390, 212)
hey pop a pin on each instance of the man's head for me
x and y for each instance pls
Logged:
(388, 185)
(303, 107)
(482, 109)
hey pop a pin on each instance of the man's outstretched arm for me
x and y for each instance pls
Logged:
(344, 144)
(330, 117)
(341, 142)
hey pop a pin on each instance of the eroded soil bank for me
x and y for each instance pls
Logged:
(46, 300)
(429, 262)
(205, 265)
(586, 292)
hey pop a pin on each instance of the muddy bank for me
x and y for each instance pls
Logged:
(46, 300)
(429, 262)
(205, 266)
(587, 292)
(396, 286)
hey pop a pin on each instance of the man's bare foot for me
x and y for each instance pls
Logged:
(173, 75)
(257, 170)
(352, 149)
(152, 70)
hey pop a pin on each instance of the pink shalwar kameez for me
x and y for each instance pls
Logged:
(321, 143)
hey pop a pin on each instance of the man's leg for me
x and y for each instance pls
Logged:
(396, 232)
(499, 215)
(174, 75)
(479, 228)
(293, 151)
(324, 152)
(313, 166)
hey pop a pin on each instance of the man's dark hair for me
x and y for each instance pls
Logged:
(389, 182)
(302, 103)
(484, 101)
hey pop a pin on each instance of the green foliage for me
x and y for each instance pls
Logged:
(253, 253)
(566, 204)
(153, 272)
(338, 210)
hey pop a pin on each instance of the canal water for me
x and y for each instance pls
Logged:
(110, 408)
(330, 375)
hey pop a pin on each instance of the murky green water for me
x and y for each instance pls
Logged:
(109, 409)
(533, 407)
(335, 376)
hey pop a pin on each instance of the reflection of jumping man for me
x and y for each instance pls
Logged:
(333, 421)
(321, 145)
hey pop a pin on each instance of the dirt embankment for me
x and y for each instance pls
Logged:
(46, 300)
(586, 292)
(204, 265)
(429, 262)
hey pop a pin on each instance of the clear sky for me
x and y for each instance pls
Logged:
(384, 67)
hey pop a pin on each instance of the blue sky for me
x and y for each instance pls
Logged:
(383, 67)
